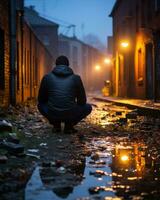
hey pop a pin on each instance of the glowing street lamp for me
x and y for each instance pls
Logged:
(124, 44)
(107, 61)
(97, 67)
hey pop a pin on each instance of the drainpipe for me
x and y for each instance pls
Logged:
(12, 26)
(31, 69)
(21, 13)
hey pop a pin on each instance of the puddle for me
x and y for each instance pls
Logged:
(120, 170)
(35, 188)
(97, 174)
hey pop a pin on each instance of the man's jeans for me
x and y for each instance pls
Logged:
(72, 116)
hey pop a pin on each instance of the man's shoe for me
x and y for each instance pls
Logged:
(67, 131)
(56, 130)
(70, 130)
(74, 130)
(56, 127)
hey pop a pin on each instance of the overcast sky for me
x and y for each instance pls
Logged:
(89, 16)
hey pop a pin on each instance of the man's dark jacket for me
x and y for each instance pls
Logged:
(61, 89)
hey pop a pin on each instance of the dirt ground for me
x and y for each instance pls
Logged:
(62, 157)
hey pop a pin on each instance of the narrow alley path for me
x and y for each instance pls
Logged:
(115, 155)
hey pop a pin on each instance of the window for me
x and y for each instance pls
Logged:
(157, 5)
(28, 67)
(25, 66)
(2, 85)
(18, 68)
(36, 71)
(46, 40)
(143, 16)
(140, 67)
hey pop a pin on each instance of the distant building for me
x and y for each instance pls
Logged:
(137, 68)
(83, 59)
(46, 30)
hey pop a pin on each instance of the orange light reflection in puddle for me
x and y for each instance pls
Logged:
(124, 158)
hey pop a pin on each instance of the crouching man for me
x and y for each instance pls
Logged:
(62, 97)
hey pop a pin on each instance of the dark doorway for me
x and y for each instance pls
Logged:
(149, 71)
(157, 68)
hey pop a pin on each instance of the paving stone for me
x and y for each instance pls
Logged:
(13, 139)
(131, 115)
(46, 164)
(3, 159)
(13, 148)
(5, 126)
(123, 120)
(118, 112)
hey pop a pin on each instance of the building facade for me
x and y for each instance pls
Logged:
(10, 25)
(37, 61)
(83, 59)
(23, 57)
(136, 40)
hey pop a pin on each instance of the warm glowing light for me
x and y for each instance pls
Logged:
(97, 67)
(124, 158)
(107, 60)
(124, 44)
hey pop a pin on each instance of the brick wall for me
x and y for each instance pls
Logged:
(37, 61)
(31, 63)
(4, 25)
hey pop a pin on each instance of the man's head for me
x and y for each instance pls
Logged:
(62, 60)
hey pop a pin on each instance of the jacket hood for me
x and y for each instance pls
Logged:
(62, 70)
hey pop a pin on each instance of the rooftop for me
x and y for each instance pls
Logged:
(116, 5)
(33, 18)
